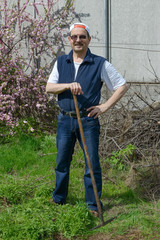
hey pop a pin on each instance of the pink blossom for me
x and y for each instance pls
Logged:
(31, 129)
(23, 52)
(38, 105)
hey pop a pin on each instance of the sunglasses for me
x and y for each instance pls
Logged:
(75, 37)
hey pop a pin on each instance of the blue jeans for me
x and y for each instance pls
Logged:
(67, 133)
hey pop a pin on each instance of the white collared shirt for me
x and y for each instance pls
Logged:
(109, 75)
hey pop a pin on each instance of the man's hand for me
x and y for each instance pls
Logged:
(57, 88)
(75, 88)
(95, 111)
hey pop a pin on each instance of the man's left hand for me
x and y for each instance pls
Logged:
(116, 96)
(95, 111)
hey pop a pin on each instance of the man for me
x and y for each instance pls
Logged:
(81, 73)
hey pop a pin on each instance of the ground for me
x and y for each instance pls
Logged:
(133, 235)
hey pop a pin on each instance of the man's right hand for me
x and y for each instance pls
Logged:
(57, 88)
(75, 88)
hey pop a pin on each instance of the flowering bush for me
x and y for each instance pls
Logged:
(31, 37)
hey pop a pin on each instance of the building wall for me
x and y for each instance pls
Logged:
(135, 38)
(134, 42)
(134, 35)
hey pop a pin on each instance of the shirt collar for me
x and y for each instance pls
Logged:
(88, 57)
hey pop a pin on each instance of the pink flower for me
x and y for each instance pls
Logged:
(38, 105)
(31, 129)
(23, 77)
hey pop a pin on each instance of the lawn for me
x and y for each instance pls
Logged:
(27, 180)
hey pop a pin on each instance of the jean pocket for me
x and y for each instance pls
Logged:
(90, 121)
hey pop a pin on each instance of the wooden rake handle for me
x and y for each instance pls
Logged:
(88, 160)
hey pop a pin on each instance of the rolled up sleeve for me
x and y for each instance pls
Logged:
(111, 77)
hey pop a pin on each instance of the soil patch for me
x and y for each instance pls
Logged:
(133, 235)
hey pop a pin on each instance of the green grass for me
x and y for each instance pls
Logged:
(27, 179)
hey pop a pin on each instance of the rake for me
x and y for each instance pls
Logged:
(103, 223)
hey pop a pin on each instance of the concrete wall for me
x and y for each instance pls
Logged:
(134, 42)
(135, 38)
(134, 34)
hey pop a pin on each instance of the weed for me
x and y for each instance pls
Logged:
(30, 221)
(74, 220)
(117, 159)
(48, 142)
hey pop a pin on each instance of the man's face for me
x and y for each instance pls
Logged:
(79, 40)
